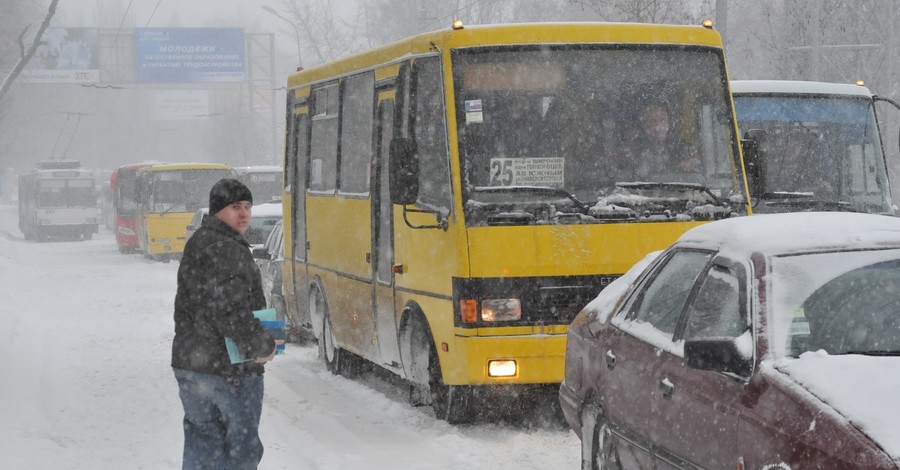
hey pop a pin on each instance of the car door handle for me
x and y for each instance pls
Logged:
(667, 388)
(610, 360)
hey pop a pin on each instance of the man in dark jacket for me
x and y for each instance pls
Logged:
(219, 287)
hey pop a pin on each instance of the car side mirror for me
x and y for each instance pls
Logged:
(404, 171)
(753, 161)
(260, 252)
(718, 354)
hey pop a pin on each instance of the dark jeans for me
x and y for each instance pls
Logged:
(221, 421)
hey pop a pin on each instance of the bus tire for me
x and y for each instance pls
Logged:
(451, 403)
(415, 352)
(328, 349)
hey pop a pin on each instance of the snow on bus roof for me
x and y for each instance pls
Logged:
(258, 169)
(797, 87)
(774, 234)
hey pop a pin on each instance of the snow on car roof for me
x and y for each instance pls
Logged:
(267, 209)
(773, 234)
(796, 87)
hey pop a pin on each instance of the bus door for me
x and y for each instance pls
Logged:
(296, 183)
(382, 237)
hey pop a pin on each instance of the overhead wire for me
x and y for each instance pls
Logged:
(153, 13)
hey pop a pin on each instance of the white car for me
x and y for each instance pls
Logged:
(262, 220)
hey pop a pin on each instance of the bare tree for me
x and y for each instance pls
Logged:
(640, 11)
(27, 54)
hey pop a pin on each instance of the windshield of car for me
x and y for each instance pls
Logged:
(845, 302)
(816, 150)
(547, 133)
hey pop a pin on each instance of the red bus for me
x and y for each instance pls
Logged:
(122, 184)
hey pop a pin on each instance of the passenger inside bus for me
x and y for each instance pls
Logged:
(657, 150)
(800, 166)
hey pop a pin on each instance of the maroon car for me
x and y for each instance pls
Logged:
(761, 342)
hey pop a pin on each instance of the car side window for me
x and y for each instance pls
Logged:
(716, 310)
(663, 298)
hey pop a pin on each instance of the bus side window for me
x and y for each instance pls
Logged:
(324, 139)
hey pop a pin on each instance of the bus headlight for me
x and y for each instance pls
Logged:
(493, 310)
(502, 368)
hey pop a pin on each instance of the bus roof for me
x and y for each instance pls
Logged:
(517, 33)
(796, 87)
(258, 169)
(187, 166)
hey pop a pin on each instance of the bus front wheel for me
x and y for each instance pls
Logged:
(451, 403)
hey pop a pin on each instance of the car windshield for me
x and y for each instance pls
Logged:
(817, 150)
(561, 134)
(845, 302)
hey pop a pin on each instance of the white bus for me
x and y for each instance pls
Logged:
(817, 146)
(58, 199)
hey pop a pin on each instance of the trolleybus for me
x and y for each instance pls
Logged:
(58, 199)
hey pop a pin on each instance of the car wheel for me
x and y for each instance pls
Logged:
(598, 451)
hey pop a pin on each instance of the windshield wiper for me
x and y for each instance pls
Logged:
(684, 187)
(169, 209)
(875, 353)
(539, 190)
(812, 204)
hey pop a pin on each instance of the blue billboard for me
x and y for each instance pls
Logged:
(190, 55)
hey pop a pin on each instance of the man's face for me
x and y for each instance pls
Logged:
(236, 215)
(656, 123)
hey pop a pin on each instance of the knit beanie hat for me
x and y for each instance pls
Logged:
(226, 192)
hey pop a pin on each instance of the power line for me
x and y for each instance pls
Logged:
(121, 23)
(153, 13)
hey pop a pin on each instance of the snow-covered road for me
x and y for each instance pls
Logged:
(85, 337)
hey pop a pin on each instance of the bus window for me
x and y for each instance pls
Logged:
(323, 158)
(356, 132)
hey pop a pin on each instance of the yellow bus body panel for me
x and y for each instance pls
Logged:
(567, 250)
(167, 232)
(521, 33)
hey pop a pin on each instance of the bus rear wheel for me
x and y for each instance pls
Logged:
(329, 351)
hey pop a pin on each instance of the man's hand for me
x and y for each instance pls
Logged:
(263, 360)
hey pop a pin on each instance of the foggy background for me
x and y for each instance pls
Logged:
(117, 119)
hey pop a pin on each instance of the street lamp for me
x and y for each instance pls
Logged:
(296, 31)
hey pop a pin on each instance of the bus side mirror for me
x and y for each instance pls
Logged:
(753, 161)
(404, 171)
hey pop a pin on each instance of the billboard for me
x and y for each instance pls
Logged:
(190, 55)
(65, 55)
